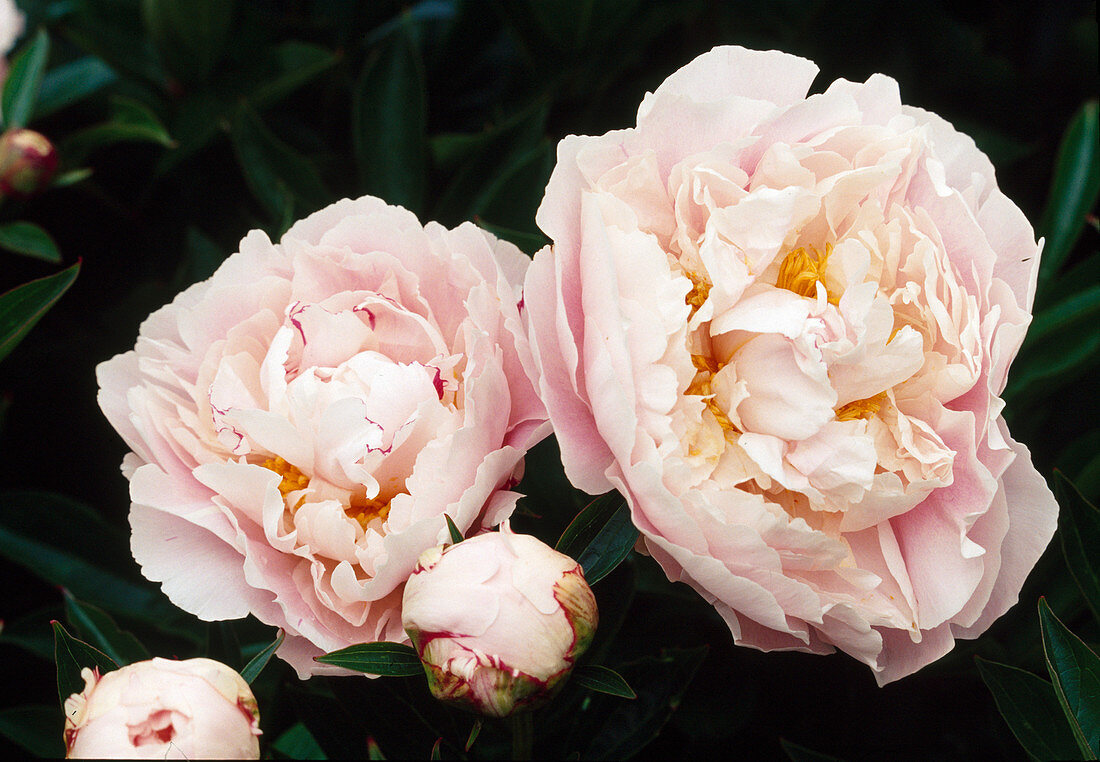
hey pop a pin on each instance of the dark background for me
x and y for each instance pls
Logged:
(465, 101)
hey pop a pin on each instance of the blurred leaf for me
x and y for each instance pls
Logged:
(1051, 365)
(35, 729)
(1075, 671)
(189, 35)
(380, 658)
(503, 149)
(23, 82)
(97, 628)
(798, 753)
(456, 536)
(72, 177)
(389, 122)
(23, 306)
(49, 535)
(603, 680)
(298, 743)
(256, 665)
(222, 644)
(131, 121)
(33, 632)
(600, 537)
(1077, 312)
(373, 750)
(528, 243)
(1030, 707)
(73, 655)
(660, 683)
(514, 194)
(435, 754)
(283, 181)
(1079, 530)
(30, 240)
(1073, 191)
(298, 64)
(71, 83)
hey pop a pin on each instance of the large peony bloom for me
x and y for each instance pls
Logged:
(301, 421)
(780, 324)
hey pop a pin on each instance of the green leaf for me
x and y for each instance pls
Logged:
(72, 177)
(528, 243)
(475, 731)
(73, 655)
(189, 35)
(660, 683)
(799, 753)
(1030, 707)
(284, 182)
(389, 122)
(24, 81)
(298, 64)
(603, 680)
(380, 658)
(1075, 671)
(222, 644)
(435, 753)
(32, 631)
(131, 121)
(71, 83)
(23, 306)
(1079, 531)
(1073, 191)
(48, 534)
(35, 729)
(30, 240)
(600, 537)
(256, 665)
(1076, 312)
(373, 750)
(456, 536)
(97, 627)
(298, 743)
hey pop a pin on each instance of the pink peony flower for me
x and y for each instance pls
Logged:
(301, 421)
(163, 709)
(498, 621)
(779, 325)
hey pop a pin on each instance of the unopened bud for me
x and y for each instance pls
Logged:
(27, 163)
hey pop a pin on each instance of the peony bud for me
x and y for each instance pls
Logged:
(498, 620)
(163, 709)
(27, 163)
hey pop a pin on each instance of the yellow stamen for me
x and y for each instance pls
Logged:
(368, 512)
(800, 271)
(864, 408)
(700, 386)
(293, 479)
(700, 289)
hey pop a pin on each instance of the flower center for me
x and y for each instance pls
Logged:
(366, 511)
(293, 479)
(700, 289)
(801, 271)
(860, 408)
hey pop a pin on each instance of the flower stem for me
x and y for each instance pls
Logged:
(523, 735)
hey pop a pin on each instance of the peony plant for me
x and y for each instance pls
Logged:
(303, 419)
(780, 324)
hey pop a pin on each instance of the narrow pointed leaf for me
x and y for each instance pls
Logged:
(1079, 531)
(222, 644)
(475, 731)
(98, 628)
(1075, 672)
(603, 680)
(256, 665)
(389, 122)
(435, 749)
(24, 81)
(23, 306)
(30, 240)
(1031, 710)
(72, 655)
(298, 63)
(1073, 190)
(600, 537)
(373, 750)
(456, 536)
(380, 658)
